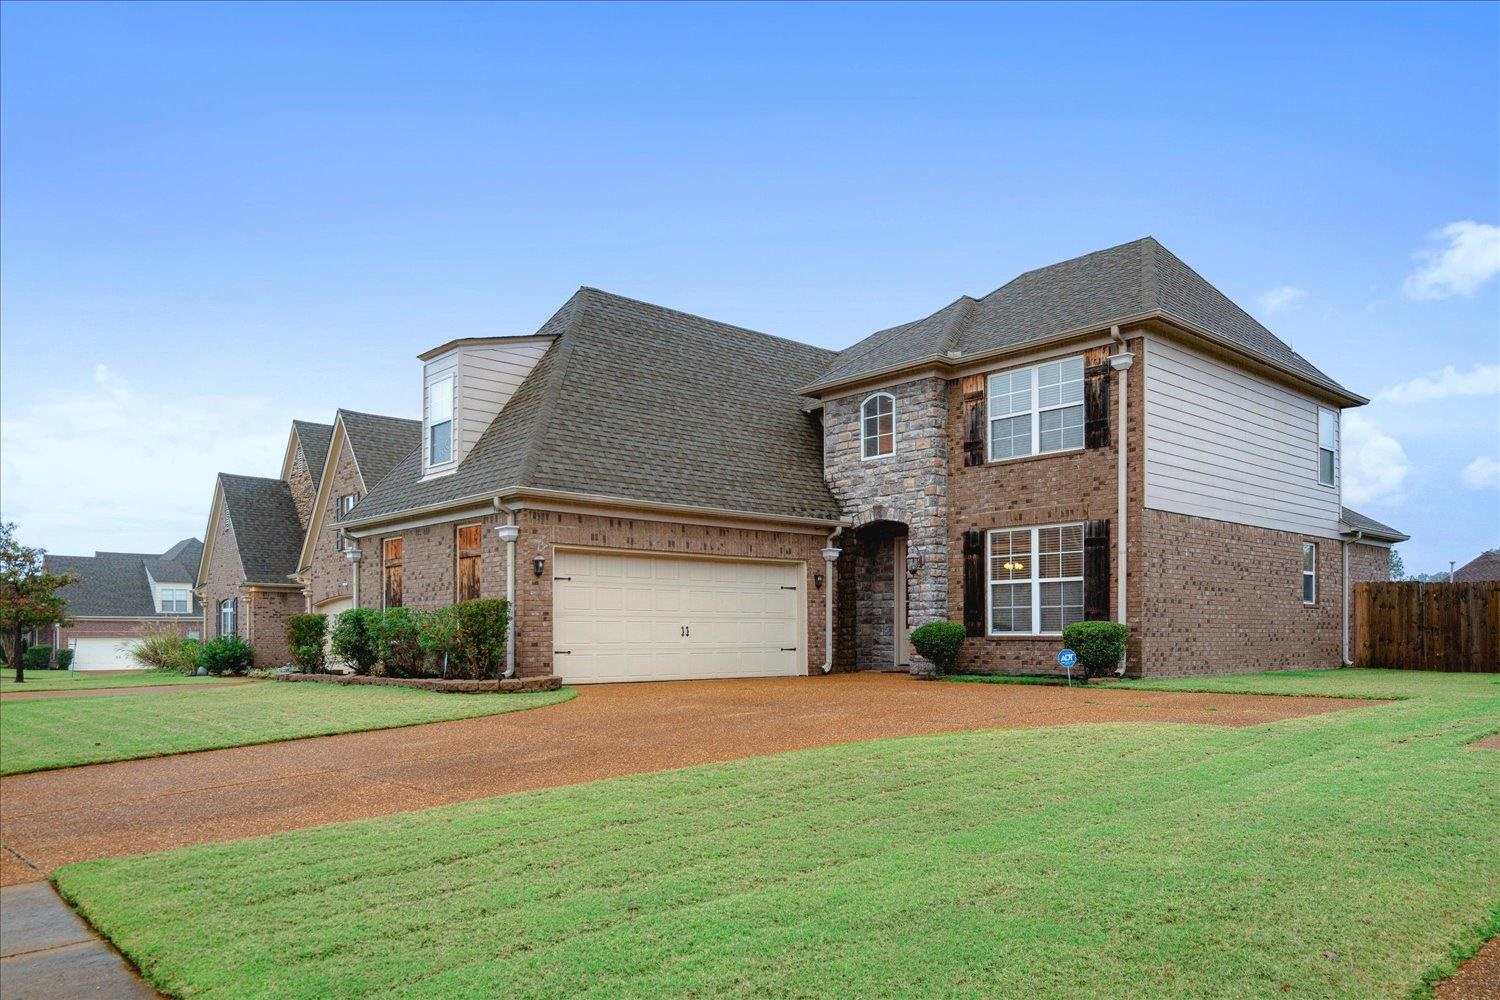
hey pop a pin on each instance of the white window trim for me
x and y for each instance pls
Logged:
(162, 601)
(1036, 579)
(1333, 485)
(452, 421)
(1306, 574)
(864, 456)
(1036, 416)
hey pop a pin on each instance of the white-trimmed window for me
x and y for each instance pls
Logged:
(1309, 573)
(877, 421)
(176, 601)
(229, 617)
(1037, 410)
(440, 420)
(1035, 579)
(1328, 424)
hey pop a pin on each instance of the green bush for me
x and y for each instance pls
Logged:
(439, 633)
(64, 659)
(400, 643)
(356, 638)
(37, 658)
(940, 643)
(305, 634)
(1100, 646)
(226, 654)
(160, 647)
(478, 639)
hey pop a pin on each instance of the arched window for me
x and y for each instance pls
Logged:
(877, 415)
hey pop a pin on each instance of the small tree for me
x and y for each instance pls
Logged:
(940, 643)
(1398, 566)
(356, 638)
(306, 635)
(28, 596)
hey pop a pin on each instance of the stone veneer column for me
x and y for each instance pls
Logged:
(910, 486)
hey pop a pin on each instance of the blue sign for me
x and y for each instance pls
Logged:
(1067, 658)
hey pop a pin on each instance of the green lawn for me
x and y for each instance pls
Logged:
(61, 680)
(38, 734)
(1343, 855)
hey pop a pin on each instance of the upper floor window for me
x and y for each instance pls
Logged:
(1327, 445)
(1309, 573)
(1036, 579)
(440, 420)
(176, 601)
(878, 426)
(1037, 410)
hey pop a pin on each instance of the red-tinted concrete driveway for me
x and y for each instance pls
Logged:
(52, 818)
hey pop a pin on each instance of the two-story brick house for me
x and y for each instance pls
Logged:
(666, 496)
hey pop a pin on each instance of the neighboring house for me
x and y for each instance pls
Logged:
(118, 594)
(1483, 567)
(1109, 437)
(360, 452)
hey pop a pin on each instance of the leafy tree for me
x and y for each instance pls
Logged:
(28, 595)
(1398, 566)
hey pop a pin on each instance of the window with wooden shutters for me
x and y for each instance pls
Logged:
(390, 564)
(1037, 410)
(1096, 398)
(974, 582)
(469, 538)
(1035, 579)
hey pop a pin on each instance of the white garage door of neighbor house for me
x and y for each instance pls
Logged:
(648, 618)
(103, 654)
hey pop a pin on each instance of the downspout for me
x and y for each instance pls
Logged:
(509, 532)
(352, 553)
(1347, 542)
(1121, 362)
(831, 554)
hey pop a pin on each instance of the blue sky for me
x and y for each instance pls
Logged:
(216, 218)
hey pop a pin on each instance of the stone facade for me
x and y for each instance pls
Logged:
(909, 487)
(1369, 563)
(329, 577)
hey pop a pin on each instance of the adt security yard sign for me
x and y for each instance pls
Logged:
(1067, 659)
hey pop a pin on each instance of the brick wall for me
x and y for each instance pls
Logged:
(300, 481)
(873, 557)
(1369, 563)
(1227, 598)
(263, 615)
(428, 566)
(1041, 490)
(113, 628)
(329, 573)
(222, 581)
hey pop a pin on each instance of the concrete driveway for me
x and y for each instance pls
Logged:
(52, 818)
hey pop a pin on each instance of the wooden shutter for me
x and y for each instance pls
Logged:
(974, 582)
(391, 551)
(973, 417)
(469, 538)
(1096, 398)
(1096, 570)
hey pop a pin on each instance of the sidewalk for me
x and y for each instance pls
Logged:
(48, 953)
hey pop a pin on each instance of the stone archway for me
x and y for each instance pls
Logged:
(882, 605)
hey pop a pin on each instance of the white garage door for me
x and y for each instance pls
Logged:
(648, 618)
(94, 653)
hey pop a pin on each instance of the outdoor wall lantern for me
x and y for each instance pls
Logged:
(818, 580)
(538, 564)
(913, 561)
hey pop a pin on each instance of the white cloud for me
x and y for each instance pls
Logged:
(1278, 299)
(1470, 258)
(1482, 473)
(101, 465)
(1375, 464)
(1483, 380)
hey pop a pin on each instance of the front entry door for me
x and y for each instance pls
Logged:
(903, 659)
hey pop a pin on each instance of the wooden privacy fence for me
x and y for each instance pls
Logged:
(1427, 626)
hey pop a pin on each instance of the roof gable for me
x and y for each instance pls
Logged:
(313, 440)
(118, 584)
(266, 530)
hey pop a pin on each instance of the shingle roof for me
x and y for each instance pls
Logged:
(314, 438)
(1485, 566)
(378, 442)
(1092, 292)
(640, 402)
(115, 585)
(1356, 521)
(267, 531)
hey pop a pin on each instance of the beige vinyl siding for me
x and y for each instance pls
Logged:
(484, 378)
(1228, 444)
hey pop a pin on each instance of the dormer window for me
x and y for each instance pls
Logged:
(440, 420)
(878, 426)
(175, 601)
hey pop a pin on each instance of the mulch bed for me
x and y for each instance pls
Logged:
(514, 685)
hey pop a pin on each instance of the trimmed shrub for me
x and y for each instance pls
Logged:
(400, 643)
(37, 658)
(1100, 646)
(478, 639)
(940, 643)
(64, 659)
(158, 647)
(226, 654)
(356, 638)
(305, 634)
(438, 634)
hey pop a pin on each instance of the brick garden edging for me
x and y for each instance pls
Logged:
(515, 685)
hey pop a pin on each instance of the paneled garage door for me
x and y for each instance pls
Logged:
(94, 653)
(649, 618)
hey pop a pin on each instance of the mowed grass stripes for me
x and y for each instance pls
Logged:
(1343, 855)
